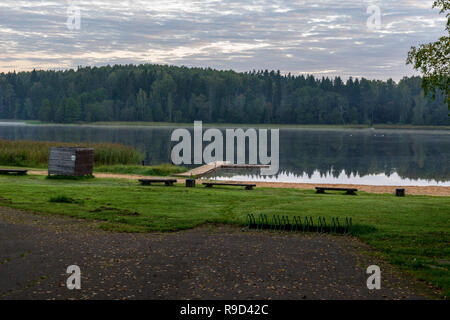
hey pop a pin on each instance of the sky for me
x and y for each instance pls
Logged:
(354, 38)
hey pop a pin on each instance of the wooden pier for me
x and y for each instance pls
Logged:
(213, 166)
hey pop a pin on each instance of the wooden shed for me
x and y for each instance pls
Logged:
(71, 161)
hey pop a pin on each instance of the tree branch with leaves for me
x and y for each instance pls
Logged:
(433, 59)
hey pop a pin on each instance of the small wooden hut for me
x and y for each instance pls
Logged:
(71, 161)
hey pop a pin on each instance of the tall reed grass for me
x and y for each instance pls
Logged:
(36, 153)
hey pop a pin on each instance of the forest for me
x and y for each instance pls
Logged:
(161, 93)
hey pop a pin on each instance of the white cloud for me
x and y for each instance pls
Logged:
(320, 37)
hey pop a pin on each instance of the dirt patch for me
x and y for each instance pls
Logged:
(5, 200)
(111, 210)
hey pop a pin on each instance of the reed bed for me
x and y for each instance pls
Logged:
(36, 153)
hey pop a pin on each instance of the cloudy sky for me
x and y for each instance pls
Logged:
(321, 37)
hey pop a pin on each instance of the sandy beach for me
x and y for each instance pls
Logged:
(414, 190)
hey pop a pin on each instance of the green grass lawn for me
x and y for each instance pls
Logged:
(155, 170)
(412, 233)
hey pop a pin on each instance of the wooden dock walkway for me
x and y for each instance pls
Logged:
(213, 166)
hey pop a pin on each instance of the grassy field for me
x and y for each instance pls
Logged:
(155, 170)
(412, 233)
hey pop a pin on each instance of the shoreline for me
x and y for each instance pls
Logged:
(232, 125)
(409, 190)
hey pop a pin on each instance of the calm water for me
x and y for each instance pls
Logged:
(375, 157)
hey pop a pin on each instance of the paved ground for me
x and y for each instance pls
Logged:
(210, 262)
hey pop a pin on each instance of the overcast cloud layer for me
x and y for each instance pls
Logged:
(322, 37)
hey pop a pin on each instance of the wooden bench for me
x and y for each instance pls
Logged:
(167, 182)
(246, 185)
(13, 171)
(348, 190)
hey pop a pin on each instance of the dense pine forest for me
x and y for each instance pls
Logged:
(181, 94)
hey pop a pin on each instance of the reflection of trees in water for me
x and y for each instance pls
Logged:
(413, 155)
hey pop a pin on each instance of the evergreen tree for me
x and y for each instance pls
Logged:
(180, 94)
(45, 112)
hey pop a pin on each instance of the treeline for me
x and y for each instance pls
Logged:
(180, 94)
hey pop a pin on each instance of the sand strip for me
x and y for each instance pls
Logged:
(415, 190)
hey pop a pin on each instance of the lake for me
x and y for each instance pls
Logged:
(350, 156)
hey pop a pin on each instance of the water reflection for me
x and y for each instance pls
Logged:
(398, 157)
(380, 179)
